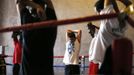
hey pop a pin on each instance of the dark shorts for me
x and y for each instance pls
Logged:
(72, 69)
(2, 67)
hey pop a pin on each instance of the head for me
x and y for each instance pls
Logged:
(15, 34)
(91, 28)
(99, 5)
(71, 36)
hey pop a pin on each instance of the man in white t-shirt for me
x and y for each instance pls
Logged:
(110, 29)
(71, 56)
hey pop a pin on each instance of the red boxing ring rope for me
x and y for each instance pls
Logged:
(63, 56)
(53, 23)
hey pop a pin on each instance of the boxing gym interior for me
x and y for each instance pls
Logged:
(65, 10)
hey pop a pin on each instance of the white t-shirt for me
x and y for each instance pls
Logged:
(109, 29)
(73, 56)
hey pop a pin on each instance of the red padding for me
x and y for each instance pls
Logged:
(122, 56)
(93, 68)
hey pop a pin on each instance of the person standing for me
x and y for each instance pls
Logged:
(17, 53)
(100, 48)
(71, 56)
(37, 43)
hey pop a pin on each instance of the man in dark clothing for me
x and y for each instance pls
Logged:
(38, 43)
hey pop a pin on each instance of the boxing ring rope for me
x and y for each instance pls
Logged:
(82, 58)
(53, 23)
(128, 11)
(53, 57)
(63, 56)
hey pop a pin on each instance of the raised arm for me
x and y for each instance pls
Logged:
(126, 2)
(113, 2)
(129, 19)
(106, 3)
(78, 32)
(67, 37)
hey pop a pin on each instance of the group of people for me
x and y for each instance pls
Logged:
(37, 44)
(101, 59)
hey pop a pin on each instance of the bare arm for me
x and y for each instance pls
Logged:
(67, 35)
(113, 2)
(68, 31)
(106, 3)
(79, 33)
(129, 20)
(127, 3)
(78, 36)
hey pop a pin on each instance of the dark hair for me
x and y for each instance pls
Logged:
(99, 5)
(15, 34)
(71, 35)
